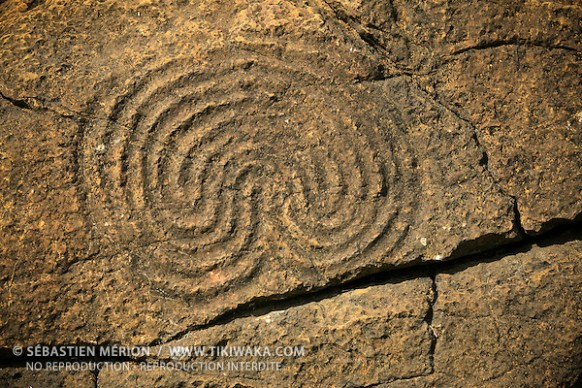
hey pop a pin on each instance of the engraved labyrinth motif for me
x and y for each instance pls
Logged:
(207, 172)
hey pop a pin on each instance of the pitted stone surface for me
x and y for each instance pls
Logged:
(166, 169)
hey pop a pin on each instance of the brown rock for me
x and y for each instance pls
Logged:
(356, 338)
(515, 321)
(21, 377)
(42, 227)
(511, 70)
(209, 172)
(511, 321)
(168, 168)
(529, 121)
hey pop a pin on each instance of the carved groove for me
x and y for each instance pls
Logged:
(205, 172)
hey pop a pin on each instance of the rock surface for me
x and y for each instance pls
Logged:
(500, 322)
(169, 173)
(21, 377)
(377, 333)
(515, 321)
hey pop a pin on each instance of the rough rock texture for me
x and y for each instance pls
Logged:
(367, 335)
(516, 321)
(21, 377)
(245, 170)
(171, 170)
(511, 70)
(529, 120)
(509, 321)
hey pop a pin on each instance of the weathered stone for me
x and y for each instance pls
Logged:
(512, 321)
(510, 69)
(420, 36)
(166, 168)
(359, 337)
(228, 167)
(42, 229)
(515, 321)
(529, 120)
(21, 377)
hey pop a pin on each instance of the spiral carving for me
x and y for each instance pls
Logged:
(205, 171)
